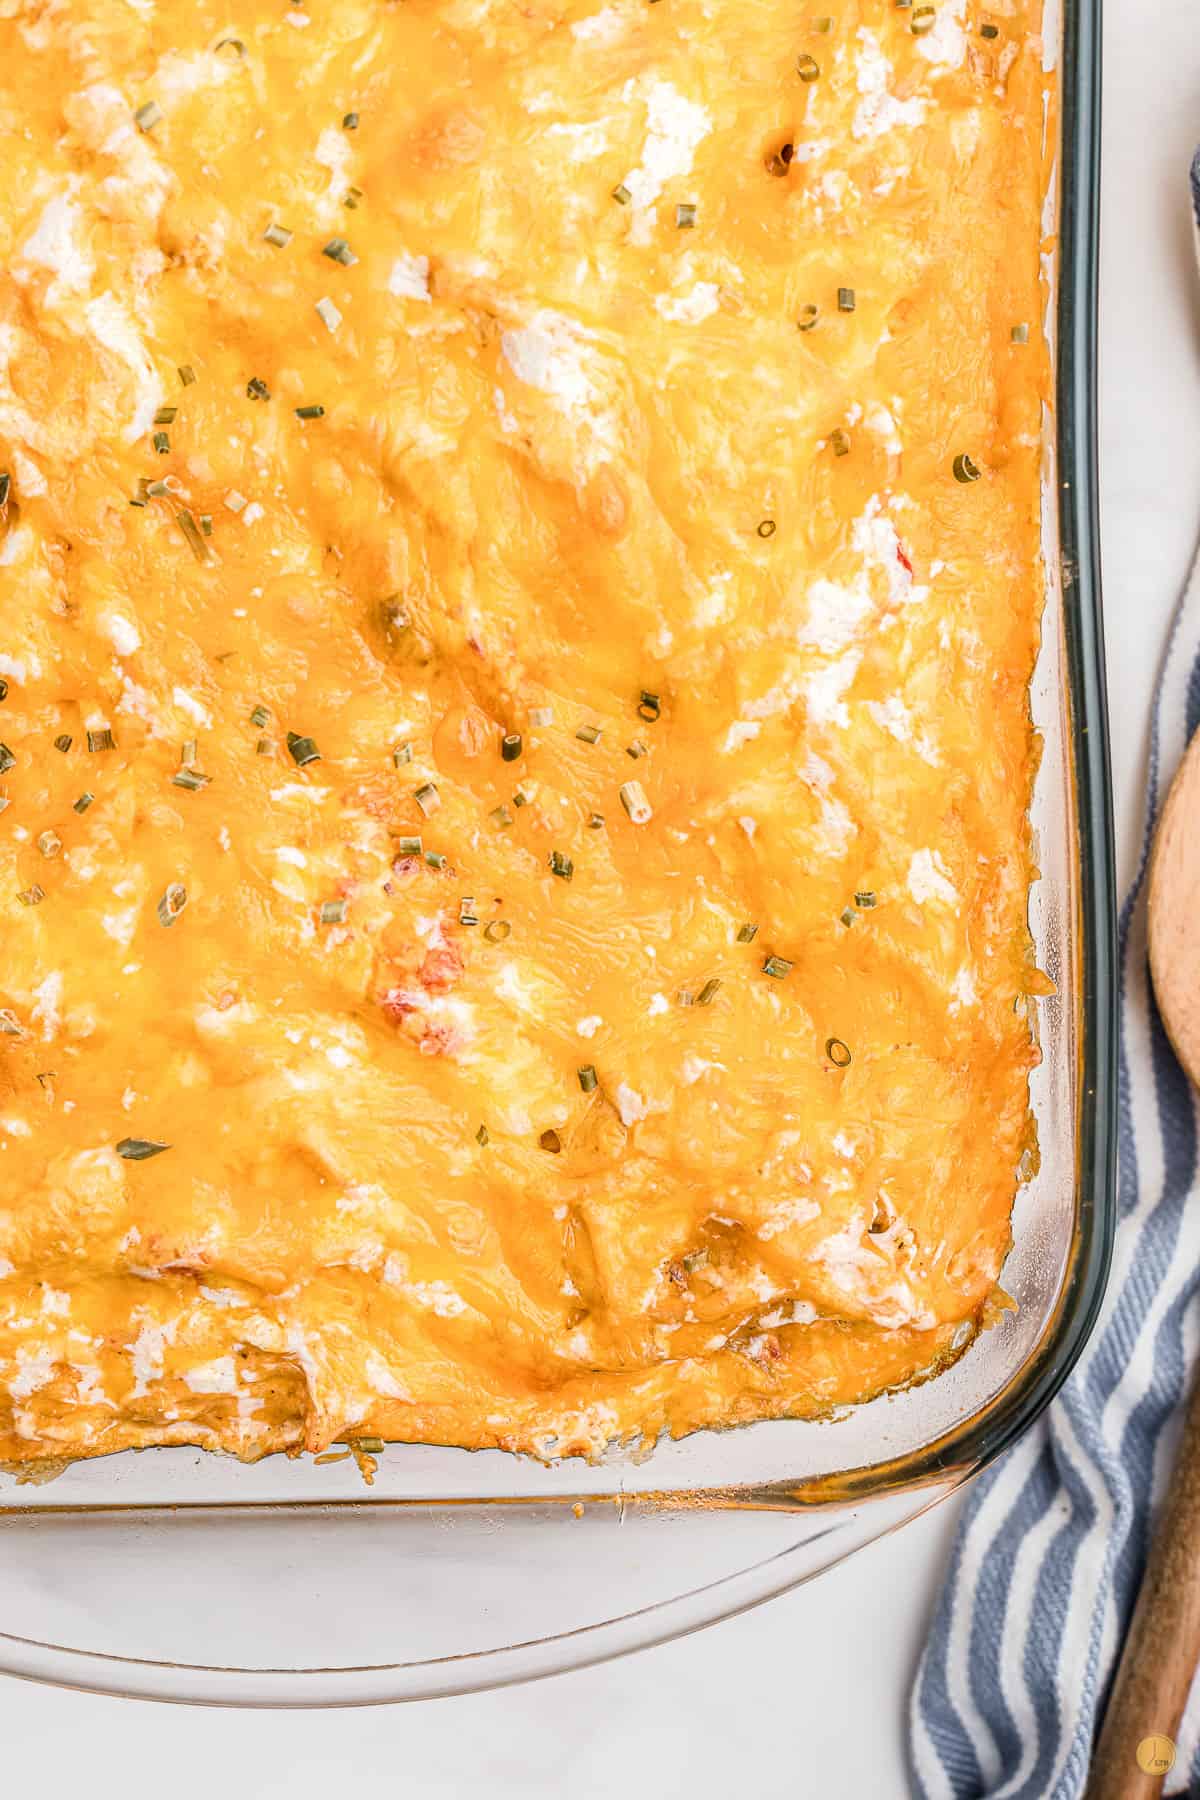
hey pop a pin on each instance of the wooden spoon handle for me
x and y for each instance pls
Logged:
(1162, 1647)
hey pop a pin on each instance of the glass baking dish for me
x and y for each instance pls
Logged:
(176, 1575)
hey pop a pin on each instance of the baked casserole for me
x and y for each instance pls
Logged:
(519, 581)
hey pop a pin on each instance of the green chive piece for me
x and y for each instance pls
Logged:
(401, 754)
(637, 749)
(501, 817)
(482, 1136)
(840, 442)
(328, 313)
(847, 299)
(588, 734)
(192, 533)
(172, 903)
(231, 43)
(264, 747)
(189, 751)
(766, 528)
(838, 1053)
(587, 1078)
(352, 197)
(1020, 334)
(561, 865)
(621, 194)
(649, 707)
(186, 374)
(3, 688)
(466, 910)
(96, 740)
(279, 235)
(63, 743)
(7, 759)
(5, 486)
(435, 859)
(408, 846)
(633, 799)
(260, 716)
(809, 315)
(350, 121)
(989, 31)
(155, 489)
(49, 843)
(497, 931)
(370, 1446)
(427, 798)
(310, 412)
(339, 251)
(32, 896)
(550, 1140)
(10, 1025)
(333, 912)
(865, 901)
(709, 991)
(166, 415)
(685, 216)
(778, 966)
(257, 389)
(140, 1149)
(191, 779)
(823, 26)
(965, 470)
(747, 934)
(161, 442)
(924, 19)
(84, 801)
(303, 750)
(807, 67)
(595, 821)
(685, 997)
(848, 915)
(147, 116)
(511, 746)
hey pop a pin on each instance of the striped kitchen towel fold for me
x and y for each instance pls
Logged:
(1051, 1544)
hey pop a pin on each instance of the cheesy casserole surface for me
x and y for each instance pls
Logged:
(519, 580)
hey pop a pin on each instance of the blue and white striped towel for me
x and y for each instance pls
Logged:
(1051, 1544)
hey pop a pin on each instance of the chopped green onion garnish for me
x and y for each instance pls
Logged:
(427, 798)
(264, 747)
(339, 251)
(989, 31)
(172, 903)
(147, 116)
(924, 19)
(63, 742)
(191, 532)
(3, 688)
(622, 195)
(649, 707)
(303, 749)
(809, 315)
(206, 524)
(847, 299)
(747, 934)
(260, 716)
(522, 797)
(542, 715)
(352, 197)
(1020, 334)
(965, 470)
(32, 896)
(807, 67)
(840, 442)
(49, 843)
(7, 759)
(511, 746)
(482, 1136)
(96, 740)
(373, 1446)
(5, 487)
(587, 1078)
(10, 1025)
(161, 442)
(848, 915)
(501, 817)
(633, 799)
(328, 313)
(191, 779)
(257, 389)
(595, 821)
(766, 528)
(823, 25)
(84, 801)
(838, 1053)
(779, 966)
(166, 415)
(550, 1141)
(232, 43)
(561, 865)
(333, 912)
(865, 901)
(685, 997)
(408, 846)
(310, 412)
(708, 991)
(685, 215)
(637, 749)
(186, 374)
(279, 235)
(350, 121)
(401, 754)
(140, 1149)
(189, 751)
(588, 734)
(156, 489)
(435, 859)
(466, 910)
(497, 931)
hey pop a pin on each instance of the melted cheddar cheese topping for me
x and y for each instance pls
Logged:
(519, 581)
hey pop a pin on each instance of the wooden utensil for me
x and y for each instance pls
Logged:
(1162, 1645)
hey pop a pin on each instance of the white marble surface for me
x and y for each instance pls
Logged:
(806, 1696)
